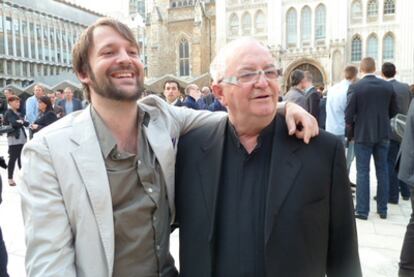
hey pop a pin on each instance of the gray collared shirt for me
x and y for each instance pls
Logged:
(140, 205)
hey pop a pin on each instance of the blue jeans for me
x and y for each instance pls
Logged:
(396, 186)
(363, 152)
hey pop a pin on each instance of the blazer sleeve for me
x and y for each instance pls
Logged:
(406, 153)
(44, 214)
(343, 257)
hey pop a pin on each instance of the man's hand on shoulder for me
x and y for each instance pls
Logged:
(300, 122)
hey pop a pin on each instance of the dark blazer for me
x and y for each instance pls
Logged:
(46, 119)
(10, 118)
(406, 154)
(77, 104)
(402, 98)
(309, 219)
(191, 103)
(371, 105)
(58, 111)
(313, 98)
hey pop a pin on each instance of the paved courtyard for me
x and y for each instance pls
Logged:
(379, 240)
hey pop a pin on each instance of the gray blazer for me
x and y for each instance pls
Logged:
(406, 154)
(66, 198)
(296, 96)
(402, 98)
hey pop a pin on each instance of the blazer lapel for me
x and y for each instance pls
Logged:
(161, 144)
(91, 167)
(284, 167)
(209, 169)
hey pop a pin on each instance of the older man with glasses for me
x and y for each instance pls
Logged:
(250, 199)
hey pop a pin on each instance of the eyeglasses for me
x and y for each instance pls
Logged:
(249, 77)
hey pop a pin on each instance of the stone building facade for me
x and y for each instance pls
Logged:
(180, 38)
(324, 36)
(36, 38)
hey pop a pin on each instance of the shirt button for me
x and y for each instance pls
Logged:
(154, 218)
(139, 162)
(118, 156)
(158, 247)
(150, 190)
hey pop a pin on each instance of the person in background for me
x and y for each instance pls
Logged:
(59, 95)
(46, 116)
(172, 93)
(406, 175)
(192, 95)
(313, 96)
(296, 92)
(55, 107)
(402, 98)
(70, 103)
(206, 99)
(32, 103)
(17, 138)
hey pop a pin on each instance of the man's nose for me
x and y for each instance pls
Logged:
(261, 80)
(123, 57)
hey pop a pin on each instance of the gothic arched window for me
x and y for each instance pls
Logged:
(260, 22)
(320, 22)
(356, 10)
(246, 24)
(388, 47)
(234, 25)
(184, 57)
(356, 49)
(372, 47)
(291, 27)
(389, 7)
(305, 24)
(372, 8)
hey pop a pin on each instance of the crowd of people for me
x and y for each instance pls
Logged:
(241, 184)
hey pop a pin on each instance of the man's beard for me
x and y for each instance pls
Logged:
(107, 89)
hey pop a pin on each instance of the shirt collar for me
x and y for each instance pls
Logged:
(106, 140)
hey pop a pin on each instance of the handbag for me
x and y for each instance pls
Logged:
(5, 129)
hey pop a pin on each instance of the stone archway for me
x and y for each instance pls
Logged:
(318, 73)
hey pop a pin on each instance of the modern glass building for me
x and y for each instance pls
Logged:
(36, 38)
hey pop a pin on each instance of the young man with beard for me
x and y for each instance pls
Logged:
(102, 205)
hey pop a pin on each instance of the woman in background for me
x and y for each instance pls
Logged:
(17, 138)
(46, 116)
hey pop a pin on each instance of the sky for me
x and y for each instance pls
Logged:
(112, 7)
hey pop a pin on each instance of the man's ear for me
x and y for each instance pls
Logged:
(83, 77)
(219, 94)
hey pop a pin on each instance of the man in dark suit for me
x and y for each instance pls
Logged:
(406, 174)
(313, 97)
(368, 112)
(250, 199)
(172, 93)
(56, 108)
(403, 98)
(70, 104)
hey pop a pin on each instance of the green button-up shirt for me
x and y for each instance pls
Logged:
(140, 205)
